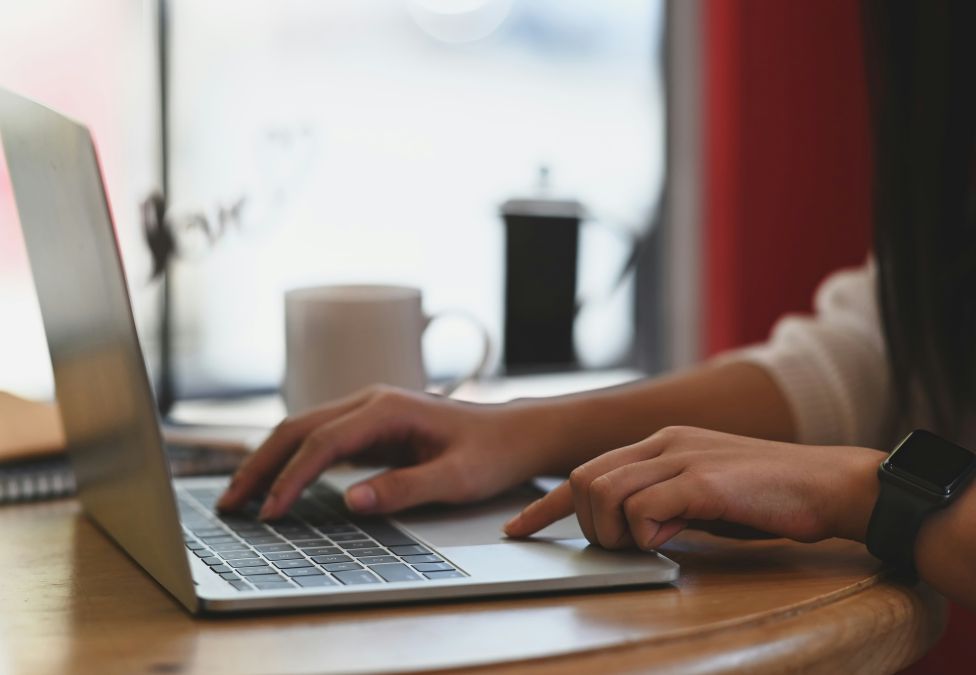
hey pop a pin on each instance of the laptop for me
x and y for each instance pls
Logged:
(319, 555)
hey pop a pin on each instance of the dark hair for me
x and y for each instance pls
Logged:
(921, 58)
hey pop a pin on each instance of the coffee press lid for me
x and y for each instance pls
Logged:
(543, 205)
(544, 208)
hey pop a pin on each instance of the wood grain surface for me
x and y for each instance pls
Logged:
(72, 602)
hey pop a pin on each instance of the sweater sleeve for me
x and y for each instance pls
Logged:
(832, 366)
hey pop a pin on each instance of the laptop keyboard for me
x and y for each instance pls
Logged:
(317, 544)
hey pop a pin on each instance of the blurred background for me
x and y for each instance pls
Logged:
(311, 143)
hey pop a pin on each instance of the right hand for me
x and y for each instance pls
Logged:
(441, 450)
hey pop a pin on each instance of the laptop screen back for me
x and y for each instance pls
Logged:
(102, 387)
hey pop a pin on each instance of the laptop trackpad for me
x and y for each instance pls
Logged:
(480, 523)
(466, 524)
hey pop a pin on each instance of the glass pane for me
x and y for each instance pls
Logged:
(350, 141)
(96, 63)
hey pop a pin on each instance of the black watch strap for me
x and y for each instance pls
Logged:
(897, 517)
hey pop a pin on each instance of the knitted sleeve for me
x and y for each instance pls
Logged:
(832, 365)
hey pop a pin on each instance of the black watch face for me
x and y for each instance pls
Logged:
(926, 457)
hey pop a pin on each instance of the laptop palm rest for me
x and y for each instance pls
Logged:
(559, 556)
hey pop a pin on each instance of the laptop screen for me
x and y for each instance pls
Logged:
(101, 383)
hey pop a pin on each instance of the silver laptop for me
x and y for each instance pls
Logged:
(319, 555)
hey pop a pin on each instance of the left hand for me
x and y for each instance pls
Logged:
(643, 494)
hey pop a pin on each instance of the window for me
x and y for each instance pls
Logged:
(346, 141)
(94, 62)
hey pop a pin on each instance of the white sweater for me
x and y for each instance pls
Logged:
(832, 366)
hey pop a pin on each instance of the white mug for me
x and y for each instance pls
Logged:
(339, 339)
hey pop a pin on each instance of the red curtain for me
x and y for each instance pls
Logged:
(787, 161)
(788, 176)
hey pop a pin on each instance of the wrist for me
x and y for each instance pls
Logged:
(858, 494)
(546, 429)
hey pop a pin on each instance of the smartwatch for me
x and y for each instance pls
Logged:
(922, 474)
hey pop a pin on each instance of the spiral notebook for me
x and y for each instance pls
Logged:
(52, 477)
(34, 466)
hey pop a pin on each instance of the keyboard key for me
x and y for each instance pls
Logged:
(247, 562)
(264, 578)
(330, 530)
(383, 532)
(238, 555)
(209, 531)
(357, 577)
(287, 555)
(296, 532)
(367, 543)
(220, 539)
(396, 572)
(310, 582)
(240, 585)
(292, 564)
(232, 546)
(307, 544)
(213, 560)
(250, 529)
(203, 553)
(220, 568)
(367, 552)
(302, 572)
(252, 571)
(447, 574)
(328, 550)
(326, 559)
(274, 548)
(229, 576)
(433, 567)
(232, 519)
(349, 537)
(414, 559)
(261, 539)
(379, 559)
(196, 546)
(326, 525)
(409, 550)
(342, 567)
(272, 585)
(285, 521)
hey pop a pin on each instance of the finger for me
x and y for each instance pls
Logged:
(609, 491)
(678, 499)
(364, 426)
(582, 477)
(666, 531)
(259, 469)
(542, 512)
(399, 489)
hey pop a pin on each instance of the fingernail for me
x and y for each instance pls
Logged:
(268, 508)
(361, 498)
(225, 498)
(649, 542)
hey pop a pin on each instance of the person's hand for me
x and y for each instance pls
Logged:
(443, 451)
(643, 494)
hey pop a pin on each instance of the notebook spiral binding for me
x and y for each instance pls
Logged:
(52, 477)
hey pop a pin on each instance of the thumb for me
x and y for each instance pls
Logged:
(399, 489)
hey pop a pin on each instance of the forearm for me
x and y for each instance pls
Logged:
(738, 398)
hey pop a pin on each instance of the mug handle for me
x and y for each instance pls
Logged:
(636, 241)
(486, 350)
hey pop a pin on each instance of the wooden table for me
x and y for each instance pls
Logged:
(71, 602)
